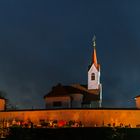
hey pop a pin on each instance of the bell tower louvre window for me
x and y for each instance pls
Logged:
(92, 76)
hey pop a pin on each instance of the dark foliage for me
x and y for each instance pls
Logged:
(96, 133)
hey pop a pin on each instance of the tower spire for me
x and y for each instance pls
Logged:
(94, 56)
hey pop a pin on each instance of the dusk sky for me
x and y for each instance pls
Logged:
(46, 42)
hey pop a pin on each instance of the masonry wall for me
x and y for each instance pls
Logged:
(88, 117)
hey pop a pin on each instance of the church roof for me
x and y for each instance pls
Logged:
(60, 90)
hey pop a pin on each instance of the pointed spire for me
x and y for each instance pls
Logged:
(94, 41)
(94, 56)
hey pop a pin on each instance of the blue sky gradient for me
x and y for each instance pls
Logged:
(45, 42)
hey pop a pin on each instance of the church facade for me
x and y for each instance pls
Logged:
(77, 95)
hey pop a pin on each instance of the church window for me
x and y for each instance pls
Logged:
(93, 76)
(57, 104)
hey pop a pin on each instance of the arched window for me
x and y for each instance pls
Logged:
(92, 76)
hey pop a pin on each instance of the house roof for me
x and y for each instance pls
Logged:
(60, 90)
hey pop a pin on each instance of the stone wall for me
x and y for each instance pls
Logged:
(88, 117)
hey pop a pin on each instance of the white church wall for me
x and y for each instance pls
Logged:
(58, 102)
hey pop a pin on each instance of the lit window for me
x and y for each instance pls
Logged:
(93, 76)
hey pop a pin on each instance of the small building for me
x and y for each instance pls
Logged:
(137, 101)
(77, 95)
(2, 104)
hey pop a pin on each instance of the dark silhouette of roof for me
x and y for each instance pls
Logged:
(60, 90)
(137, 96)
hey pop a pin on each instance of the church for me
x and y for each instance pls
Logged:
(77, 103)
(77, 95)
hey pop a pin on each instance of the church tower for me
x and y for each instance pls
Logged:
(94, 70)
(94, 85)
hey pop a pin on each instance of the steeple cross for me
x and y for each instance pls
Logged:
(94, 41)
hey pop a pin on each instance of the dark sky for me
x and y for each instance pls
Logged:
(45, 42)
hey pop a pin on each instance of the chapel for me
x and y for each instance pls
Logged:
(77, 95)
